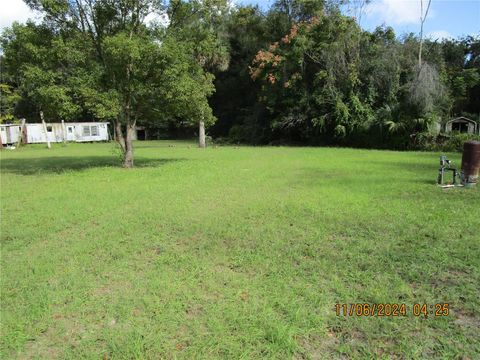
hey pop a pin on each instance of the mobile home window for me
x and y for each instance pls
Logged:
(94, 130)
(70, 129)
(49, 128)
(86, 131)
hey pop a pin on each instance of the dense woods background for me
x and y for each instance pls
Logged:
(300, 72)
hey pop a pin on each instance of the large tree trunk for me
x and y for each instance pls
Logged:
(119, 136)
(201, 134)
(125, 142)
(128, 155)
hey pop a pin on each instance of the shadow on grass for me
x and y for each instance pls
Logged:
(373, 173)
(417, 164)
(422, 172)
(152, 144)
(60, 164)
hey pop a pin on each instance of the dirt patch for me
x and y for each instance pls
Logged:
(315, 346)
(450, 278)
(193, 311)
(467, 321)
(111, 289)
(63, 332)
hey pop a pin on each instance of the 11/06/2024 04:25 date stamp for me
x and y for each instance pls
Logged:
(392, 309)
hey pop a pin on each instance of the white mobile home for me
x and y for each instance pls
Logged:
(56, 132)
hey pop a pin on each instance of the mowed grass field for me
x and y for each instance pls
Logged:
(234, 253)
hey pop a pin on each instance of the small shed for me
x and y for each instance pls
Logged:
(140, 133)
(461, 124)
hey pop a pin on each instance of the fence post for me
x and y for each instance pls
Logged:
(64, 132)
(45, 129)
(20, 134)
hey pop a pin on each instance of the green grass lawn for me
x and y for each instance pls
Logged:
(233, 253)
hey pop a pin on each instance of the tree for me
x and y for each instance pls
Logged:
(235, 99)
(8, 99)
(357, 8)
(423, 17)
(38, 67)
(99, 59)
(312, 80)
(199, 24)
(123, 55)
(300, 72)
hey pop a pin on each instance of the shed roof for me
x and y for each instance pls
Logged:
(461, 119)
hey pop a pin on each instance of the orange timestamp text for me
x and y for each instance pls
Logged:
(392, 309)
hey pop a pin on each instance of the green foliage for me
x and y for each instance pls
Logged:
(9, 97)
(37, 67)
(325, 81)
(199, 27)
(300, 72)
(186, 86)
(106, 63)
(444, 142)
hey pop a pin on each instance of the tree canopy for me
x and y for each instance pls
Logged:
(300, 72)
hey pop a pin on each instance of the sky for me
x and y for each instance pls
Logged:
(447, 18)
(14, 10)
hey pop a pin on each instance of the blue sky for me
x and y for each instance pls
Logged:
(447, 18)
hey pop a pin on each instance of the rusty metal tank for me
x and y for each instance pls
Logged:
(471, 162)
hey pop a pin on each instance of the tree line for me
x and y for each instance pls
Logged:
(301, 72)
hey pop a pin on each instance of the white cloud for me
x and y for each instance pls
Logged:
(15, 10)
(397, 12)
(157, 19)
(439, 35)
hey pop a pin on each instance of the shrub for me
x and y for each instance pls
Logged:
(455, 141)
(443, 142)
